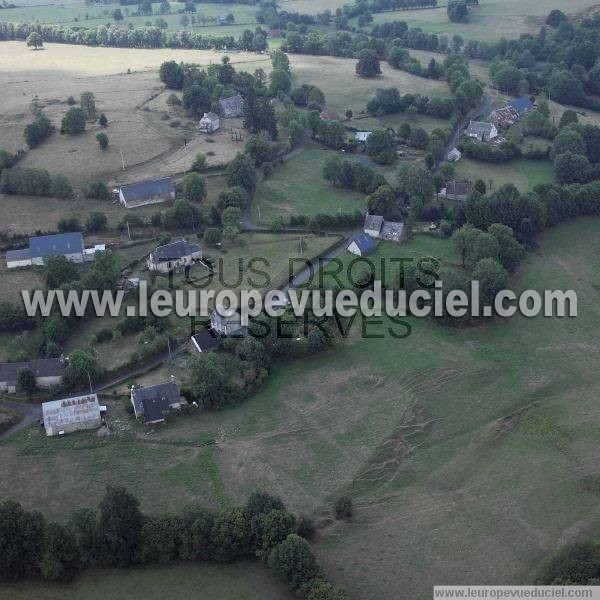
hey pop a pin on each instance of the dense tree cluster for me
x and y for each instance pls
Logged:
(351, 174)
(28, 181)
(118, 534)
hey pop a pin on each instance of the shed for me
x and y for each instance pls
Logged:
(151, 191)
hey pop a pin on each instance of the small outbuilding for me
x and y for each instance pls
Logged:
(209, 123)
(454, 155)
(361, 245)
(72, 414)
(142, 193)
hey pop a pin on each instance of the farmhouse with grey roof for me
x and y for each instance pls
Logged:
(47, 372)
(482, 131)
(226, 321)
(376, 227)
(155, 402)
(232, 106)
(147, 192)
(72, 414)
(174, 257)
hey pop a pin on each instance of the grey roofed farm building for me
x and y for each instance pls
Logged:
(232, 106)
(482, 131)
(205, 340)
(394, 231)
(72, 414)
(147, 192)
(174, 256)
(373, 225)
(69, 245)
(47, 372)
(155, 401)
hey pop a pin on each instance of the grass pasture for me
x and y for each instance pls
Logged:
(344, 89)
(446, 439)
(243, 580)
(297, 188)
(523, 173)
(490, 21)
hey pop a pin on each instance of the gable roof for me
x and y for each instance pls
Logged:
(147, 189)
(392, 230)
(364, 242)
(205, 340)
(373, 222)
(174, 251)
(479, 128)
(232, 106)
(70, 411)
(156, 398)
(210, 116)
(52, 245)
(522, 104)
(458, 188)
(41, 367)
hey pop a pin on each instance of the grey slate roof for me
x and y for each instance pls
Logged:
(232, 106)
(53, 245)
(174, 251)
(41, 367)
(144, 190)
(373, 222)
(392, 230)
(522, 104)
(364, 242)
(206, 339)
(156, 399)
(479, 128)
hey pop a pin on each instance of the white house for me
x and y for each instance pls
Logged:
(72, 414)
(226, 321)
(454, 155)
(174, 257)
(147, 192)
(209, 123)
(482, 131)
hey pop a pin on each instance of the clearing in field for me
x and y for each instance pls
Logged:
(525, 174)
(298, 188)
(139, 134)
(343, 88)
(489, 21)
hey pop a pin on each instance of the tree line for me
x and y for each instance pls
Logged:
(119, 535)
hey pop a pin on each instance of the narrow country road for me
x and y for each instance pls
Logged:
(30, 413)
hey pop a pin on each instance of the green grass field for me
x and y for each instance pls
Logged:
(523, 173)
(491, 20)
(297, 188)
(244, 580)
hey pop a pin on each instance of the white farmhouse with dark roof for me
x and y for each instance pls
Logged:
(209, 123)
(155, 402)
(72, 414)
(482, 131)
(147, 192)
(373, 225)
(226, 321)
(174, 257)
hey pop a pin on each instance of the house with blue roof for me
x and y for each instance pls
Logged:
(361, 244)
(69, 245)
(147, 192)
(522, 105)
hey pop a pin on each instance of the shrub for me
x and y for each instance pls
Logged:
(343, 508)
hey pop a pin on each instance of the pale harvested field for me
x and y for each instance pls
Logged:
(149, 145)
(344, 89)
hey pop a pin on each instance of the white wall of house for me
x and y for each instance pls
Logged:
(354, 249)
(372, 232)
(15, 264)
